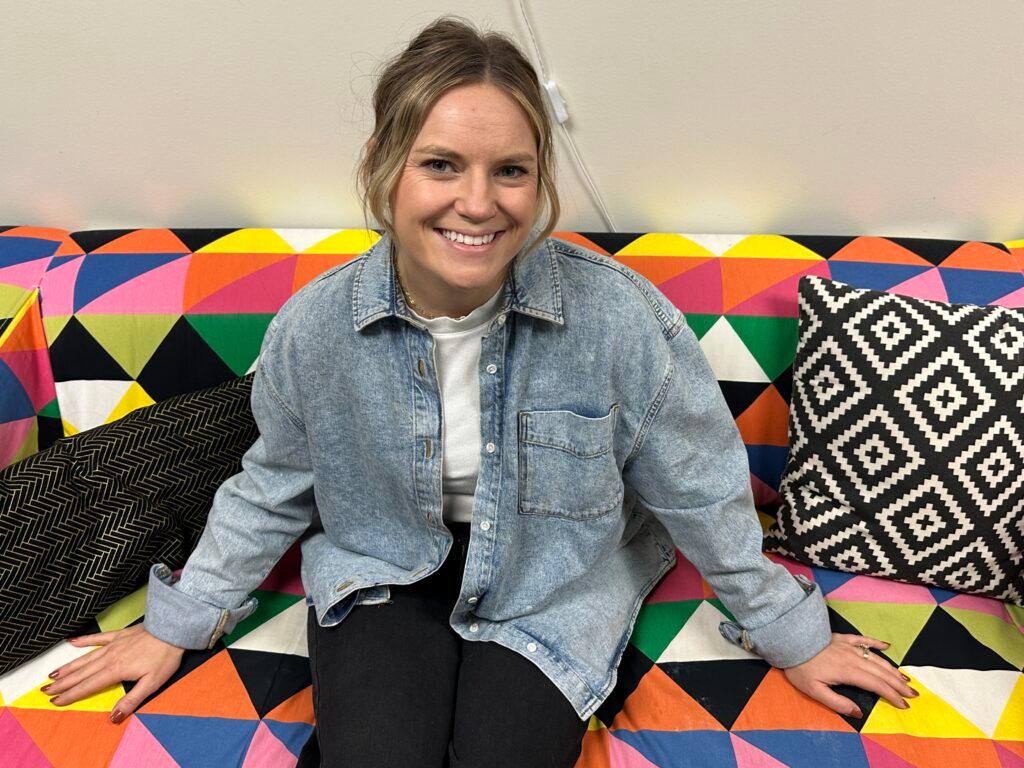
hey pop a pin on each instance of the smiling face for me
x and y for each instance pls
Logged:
(472, 171)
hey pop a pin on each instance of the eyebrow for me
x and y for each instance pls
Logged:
(448, 154)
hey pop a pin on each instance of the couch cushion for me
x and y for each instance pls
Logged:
(82, 522)
(907, 442)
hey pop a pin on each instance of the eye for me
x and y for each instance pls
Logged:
(431, 164)
(521, 171)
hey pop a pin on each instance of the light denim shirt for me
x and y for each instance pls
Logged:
(606, 443)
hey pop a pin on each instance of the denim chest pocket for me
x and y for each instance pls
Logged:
(566, 464)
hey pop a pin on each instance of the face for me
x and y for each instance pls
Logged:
(472, 171)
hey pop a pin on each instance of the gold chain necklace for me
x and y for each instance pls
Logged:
(408, 298)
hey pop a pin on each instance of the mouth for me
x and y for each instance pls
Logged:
(466, 247)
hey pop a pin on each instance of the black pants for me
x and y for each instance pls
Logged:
(395, 686)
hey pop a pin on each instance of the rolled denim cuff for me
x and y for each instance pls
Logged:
(186, 621)
(794, 637)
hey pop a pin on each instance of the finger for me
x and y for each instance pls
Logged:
(128, 703)
(835, 701)
(893, 676)
(69, 680)
(94, 683)
(76, 664)
(98, 638)
(863, 676)
(870, 642)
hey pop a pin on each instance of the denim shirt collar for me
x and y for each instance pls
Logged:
(534, 287)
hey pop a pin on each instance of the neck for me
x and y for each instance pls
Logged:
(452, 306)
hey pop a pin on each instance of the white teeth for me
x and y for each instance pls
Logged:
(458, 237)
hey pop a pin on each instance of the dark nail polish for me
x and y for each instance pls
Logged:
(57, 702)
(916, 693)
(53, 675)
(46, 687)
(906, 677)
(857, 713)
(116, 716)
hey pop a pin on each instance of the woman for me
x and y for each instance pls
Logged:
(470, 373)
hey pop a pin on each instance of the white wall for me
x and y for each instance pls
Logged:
(883, 117)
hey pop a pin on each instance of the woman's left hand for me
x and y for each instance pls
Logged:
(841, 661)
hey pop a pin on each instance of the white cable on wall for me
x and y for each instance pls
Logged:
(561, 112)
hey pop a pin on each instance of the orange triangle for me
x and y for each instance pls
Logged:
(744, 278)
(213, 689)
(776, 704)
(925, 752)
(297, 709)
(766, 420)
(658, 704)
(72, 738)
(28, 334)
(879, 250)
(594, 753)
(310, 265)
(974, 255)
(209, 272)
(660, 269)
(145, 241)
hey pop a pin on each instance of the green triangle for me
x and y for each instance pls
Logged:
(700, 323)
(658, 623)
(130, 339)
(721, 606)
(51, 409)
(992, 632)
(235, 338)
(270, 604)
(53, 325)
(899, 623)
(12, 297)
(771, 340)
(1017, 614)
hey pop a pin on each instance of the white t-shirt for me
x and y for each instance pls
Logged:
(457, 361)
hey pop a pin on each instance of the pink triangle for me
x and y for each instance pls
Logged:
(1013, 300)
(880, 757)
(697, 290)
(872, 589)
(32, 367)
(264, 290)
(140, 747)
(1008, 759)
(12, 435)
(681, 583)
(57, 288)
(927, 285)
(780, 300)
(265, 751)
(622, 755)
(159, 291)
(980, 604)
(285, 575)
(749, 756)
(26, 274)
(19, 748)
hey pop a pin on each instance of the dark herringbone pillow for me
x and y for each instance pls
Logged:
(82, 522)
(906, 441)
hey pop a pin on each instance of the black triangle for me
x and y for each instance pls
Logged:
(195, 238)
(50, 431)
(611, 241)
(632, 668)
(7, 227)
(270, 678)
(945, 642)
(75, 355)
(932, 250)
(182, 363)
(92, 239)
(722, 687)
(825, 246)
(740, 394)
(784, 383)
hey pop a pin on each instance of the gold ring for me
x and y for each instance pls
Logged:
(865, 651)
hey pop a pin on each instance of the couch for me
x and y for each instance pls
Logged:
(97, 324)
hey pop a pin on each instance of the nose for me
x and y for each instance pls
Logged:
(476, 199)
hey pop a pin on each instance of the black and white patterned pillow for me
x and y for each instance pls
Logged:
(906, 432)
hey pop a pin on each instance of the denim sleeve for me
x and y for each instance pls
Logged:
(255, 516)
(691, 471)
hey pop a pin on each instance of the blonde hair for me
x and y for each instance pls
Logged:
(446, 54)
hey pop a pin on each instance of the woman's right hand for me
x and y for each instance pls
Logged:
(124, 654)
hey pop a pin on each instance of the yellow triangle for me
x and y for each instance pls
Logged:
(16, 318)
(1011, 724)
(346, 241)
(770, 247)
(101, 701)
(52, 326)
(136, 397)
(898, 623)
(69, 428)
(664, 244)
(123, 612)
(1014, 244)
(928, 716)
(595, 724)
(250, 240)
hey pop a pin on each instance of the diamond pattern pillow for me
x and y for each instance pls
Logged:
(906, 433)
(82, 522)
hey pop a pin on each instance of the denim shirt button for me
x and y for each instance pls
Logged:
(501, 319)
(485, 526)
(531, 647)
(492, 368)
(491, 447)
(474, 627)
(473, 600)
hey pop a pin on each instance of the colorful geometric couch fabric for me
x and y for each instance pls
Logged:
(82, 521)
(906, 441)
(685, 696)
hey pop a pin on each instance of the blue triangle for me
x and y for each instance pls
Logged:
(200, 742)
(767, 462)
(14, 401)
(942, 595)
(878, 277)
(101, 272)
(682, 749)
(810, 749)
(829, 580)
(18, 250)
(293, 735)
(978, 286)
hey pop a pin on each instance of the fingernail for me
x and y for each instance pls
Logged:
(906, 677)
(916, 693)
(53, 675)
(887, 643)
(46, 687)
(116, 716)
(857, 713)
(906, 705)
(56, 701)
